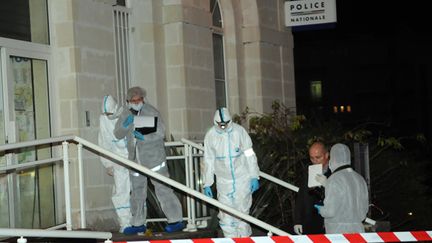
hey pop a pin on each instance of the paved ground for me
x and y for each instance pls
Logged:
(201, 233)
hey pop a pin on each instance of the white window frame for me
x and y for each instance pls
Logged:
(220, 31)
(122, 52)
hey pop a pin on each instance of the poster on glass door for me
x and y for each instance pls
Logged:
(23, 105)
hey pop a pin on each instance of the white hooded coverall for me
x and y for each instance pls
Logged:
(106, 139)
(228, 154)
(346, 200)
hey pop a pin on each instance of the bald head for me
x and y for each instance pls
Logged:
(319, 154)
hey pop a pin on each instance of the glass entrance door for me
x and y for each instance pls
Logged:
(25, 117)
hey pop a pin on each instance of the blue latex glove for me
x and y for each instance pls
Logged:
(318, 207)
(129, 120)
(138, 135)
(254, 185)
(208, 191)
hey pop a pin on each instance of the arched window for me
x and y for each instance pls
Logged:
(218, 55)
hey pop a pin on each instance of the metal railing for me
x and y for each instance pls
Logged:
(262, 174)
(194, 193)
(265, 176)
(54, 234)
(8, 149)
(192, 187)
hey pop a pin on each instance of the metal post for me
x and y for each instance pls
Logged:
(81, 186)
(204, 207)
(11, 191)
(116, 61)
(22, 240)
(127, 49)
(67, 185)
(187, 175)
(200, 208)
(191, 185)
(123, 69)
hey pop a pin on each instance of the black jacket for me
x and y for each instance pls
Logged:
(304, 212)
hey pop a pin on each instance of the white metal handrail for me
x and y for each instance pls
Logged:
(269, 177)
(65, 141)
(180, 186)
(12, 146)
(81, 143)
(262, 174)
(19, 167)
(55, 233)
(51, 232)
(7, 148)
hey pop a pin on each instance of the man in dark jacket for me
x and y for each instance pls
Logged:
(306, 218)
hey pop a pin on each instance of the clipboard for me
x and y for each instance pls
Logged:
(314, 170)
(145, 124)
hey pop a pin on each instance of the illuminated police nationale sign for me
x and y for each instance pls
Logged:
(306, 12)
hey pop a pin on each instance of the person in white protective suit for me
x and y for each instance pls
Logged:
(228, 155)
(121, 190)
(346, 199)
(146, 146)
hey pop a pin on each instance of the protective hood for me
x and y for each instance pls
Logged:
(339, 155)
(110, 107)
(223, 116)
(136, 91)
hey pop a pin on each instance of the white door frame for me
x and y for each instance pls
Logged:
(9, 47)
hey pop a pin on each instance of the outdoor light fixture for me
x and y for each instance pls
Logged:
(342, 108)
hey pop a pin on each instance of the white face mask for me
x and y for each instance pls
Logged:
(136, 107)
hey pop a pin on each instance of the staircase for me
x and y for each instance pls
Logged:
(196, 213)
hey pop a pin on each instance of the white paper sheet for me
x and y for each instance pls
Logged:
(313, 171)
(144, 121)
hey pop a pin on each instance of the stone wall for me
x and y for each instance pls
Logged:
(172, 58)
(83, 71)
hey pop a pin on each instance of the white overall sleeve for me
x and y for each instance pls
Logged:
(249, 153)
(209, 160)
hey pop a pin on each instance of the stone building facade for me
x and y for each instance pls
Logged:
(170, 53)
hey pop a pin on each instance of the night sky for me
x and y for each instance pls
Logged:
(379, 19)
(376, 58)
